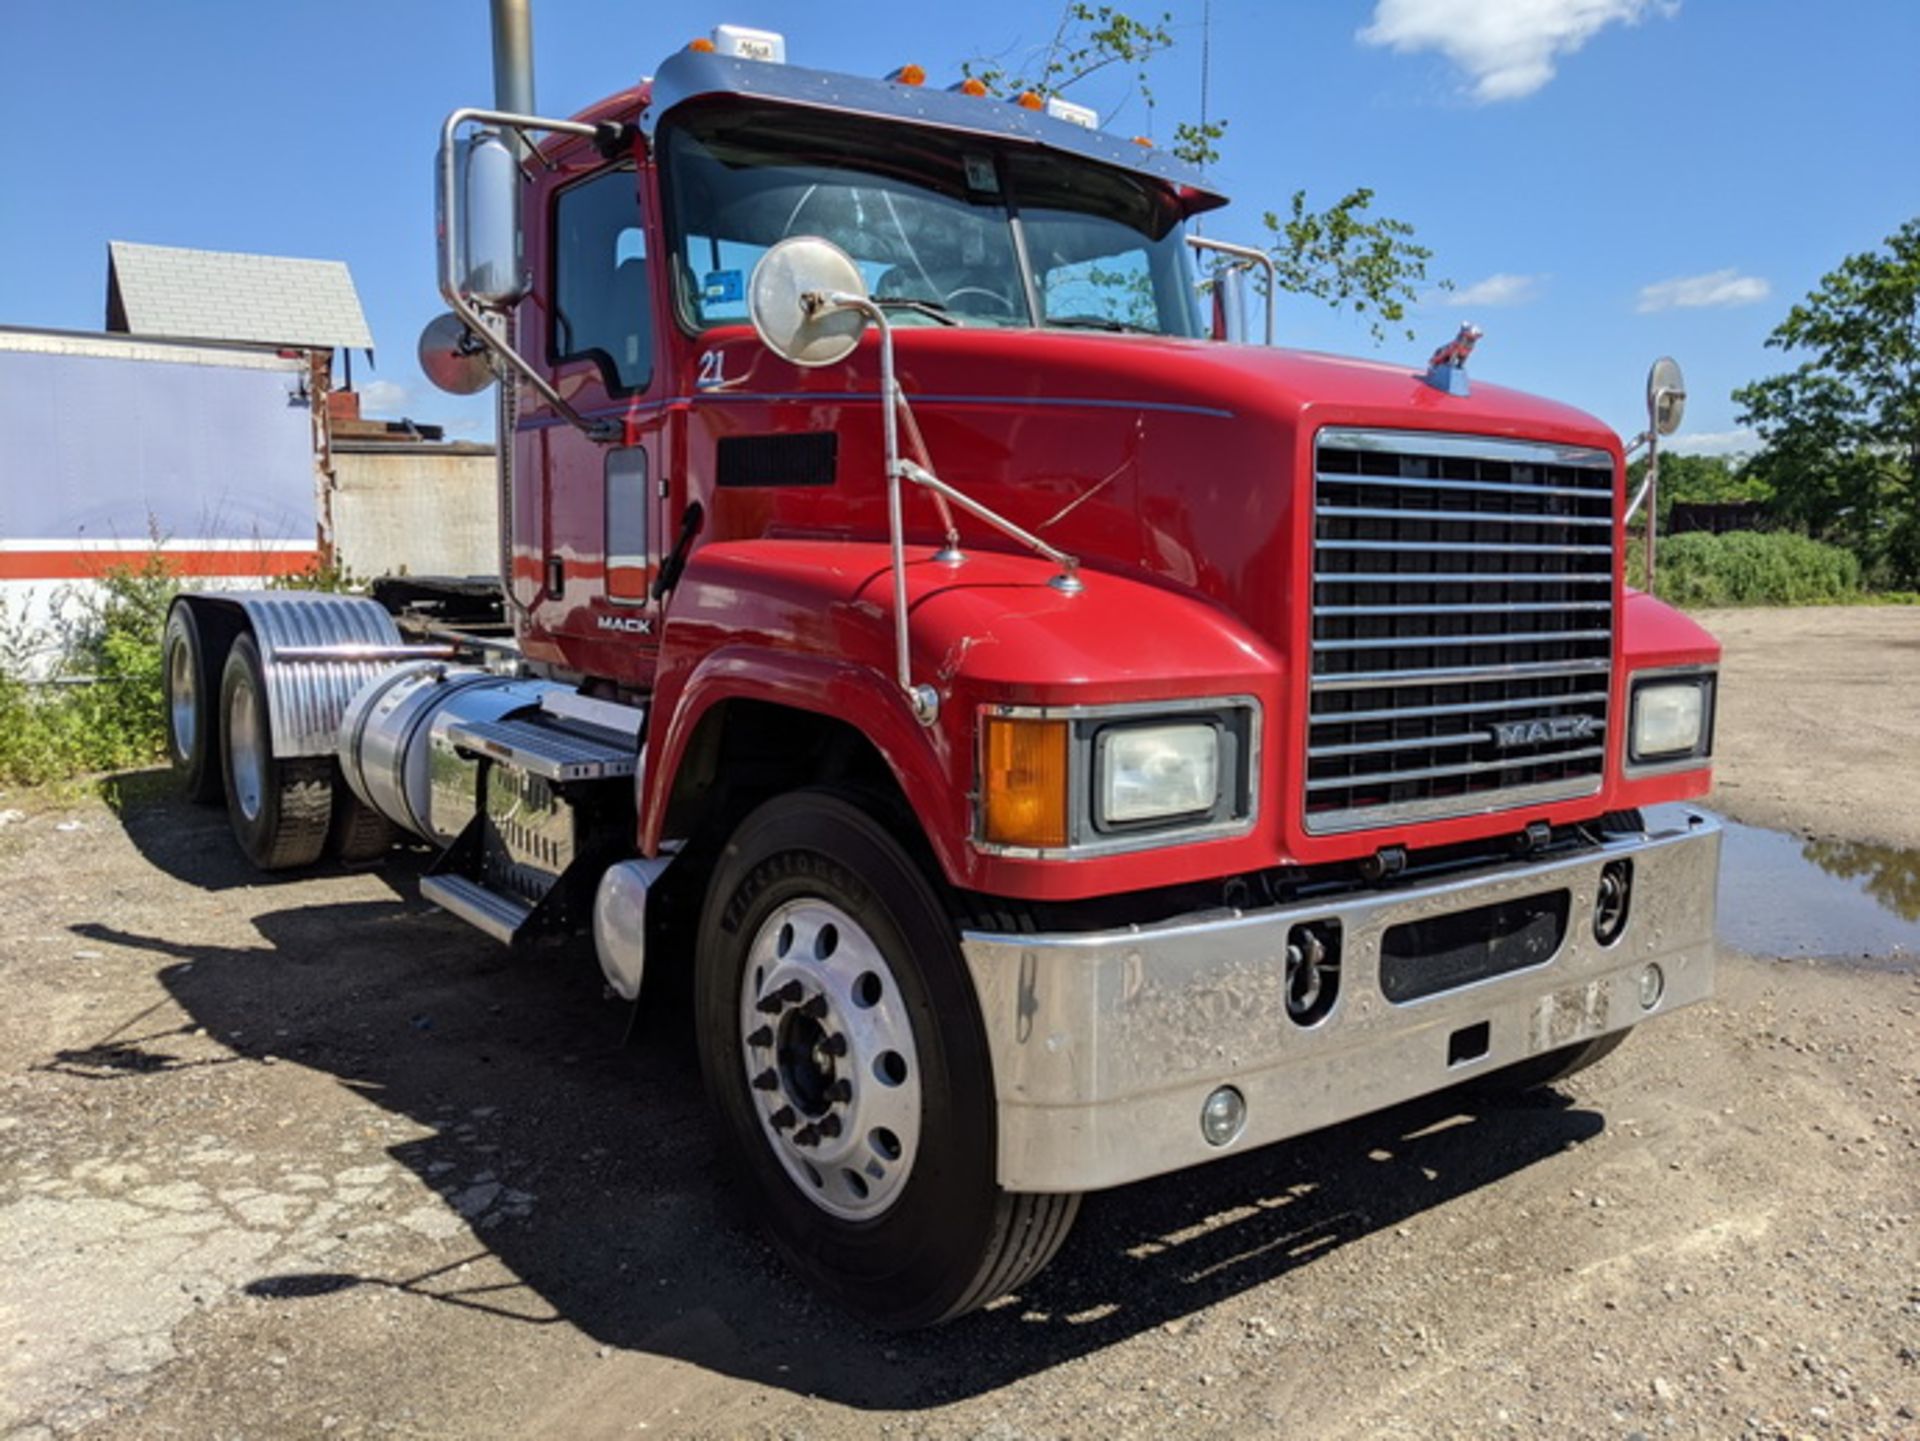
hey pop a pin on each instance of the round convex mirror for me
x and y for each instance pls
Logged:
(803, 266)
(1666, 395)
(452, 357)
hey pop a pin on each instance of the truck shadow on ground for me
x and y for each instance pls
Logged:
(632, 1230)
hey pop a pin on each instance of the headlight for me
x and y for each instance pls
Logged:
(1066, 782)
(1149, 773)
(1671, 719)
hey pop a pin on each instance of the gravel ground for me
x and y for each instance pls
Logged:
(306, 1158)
(1819, 724)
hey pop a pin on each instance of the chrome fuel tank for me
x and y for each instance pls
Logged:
(393, 750)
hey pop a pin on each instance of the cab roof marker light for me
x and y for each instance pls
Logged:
(1030, 100)
(973, 85)
(908, 74)
(743, 42)
(1082, 115)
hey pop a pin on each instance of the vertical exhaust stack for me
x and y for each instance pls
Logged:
(513, 93)
(513, 56)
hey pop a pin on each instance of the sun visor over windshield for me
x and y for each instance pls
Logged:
(691, 75)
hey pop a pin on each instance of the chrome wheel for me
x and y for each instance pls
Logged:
(246, 747)
(830, 1058)
(183, 698)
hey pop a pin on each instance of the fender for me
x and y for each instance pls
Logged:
(1655, 636)
(307, 701)
(819, 684)
(817, 627)
(1653, 633)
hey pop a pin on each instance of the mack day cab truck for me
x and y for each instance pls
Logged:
(1065, 742)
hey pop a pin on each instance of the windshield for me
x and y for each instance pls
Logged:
(936, 223)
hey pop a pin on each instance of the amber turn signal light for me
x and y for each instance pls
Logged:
(1025, 785)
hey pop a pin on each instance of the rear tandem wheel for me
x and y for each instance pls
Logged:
(192, 681)
(280, 806)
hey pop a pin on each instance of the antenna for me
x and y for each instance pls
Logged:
(1206, 59)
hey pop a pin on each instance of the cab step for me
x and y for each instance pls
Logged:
(546, 748)
(500, 916)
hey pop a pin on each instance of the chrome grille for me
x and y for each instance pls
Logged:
(1462, 626)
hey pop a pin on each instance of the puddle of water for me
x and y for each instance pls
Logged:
(1789, 896)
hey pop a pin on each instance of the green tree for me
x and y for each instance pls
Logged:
(1841, 431)
(1345, 255)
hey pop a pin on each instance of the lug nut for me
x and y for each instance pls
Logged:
(840, 1090)
(828, 1126)
(807, 1136)
(762, 1037)
(815, 1008)
(767, 1080)
(835, 1045)
(776, 1000)
(783, 1118)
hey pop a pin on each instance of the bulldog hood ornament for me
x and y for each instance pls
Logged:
(1447, 371)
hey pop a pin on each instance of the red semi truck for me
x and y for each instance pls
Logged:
(1065, 742)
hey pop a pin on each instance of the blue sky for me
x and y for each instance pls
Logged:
(1605, 180)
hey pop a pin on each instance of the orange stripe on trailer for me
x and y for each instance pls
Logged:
(207, 564)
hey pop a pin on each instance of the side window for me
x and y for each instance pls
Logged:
(602, 308)
(628, 503)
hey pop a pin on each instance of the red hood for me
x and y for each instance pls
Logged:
(1239, 378)
(1185, 462)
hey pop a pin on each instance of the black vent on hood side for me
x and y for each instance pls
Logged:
(806, 458)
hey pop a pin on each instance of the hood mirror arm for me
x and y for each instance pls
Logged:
(923, 698)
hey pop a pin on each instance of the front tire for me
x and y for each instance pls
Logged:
(280, 807)
(842, 1047)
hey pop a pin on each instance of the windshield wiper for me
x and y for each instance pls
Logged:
(1098, 322)
(932, 309)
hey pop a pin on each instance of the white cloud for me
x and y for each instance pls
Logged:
(1714, 442)
(1506, 47)
(1694, 292)
(386, 399)
(1495, 290)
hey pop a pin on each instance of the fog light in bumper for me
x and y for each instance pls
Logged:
(1653, 985)
(1223, 1116)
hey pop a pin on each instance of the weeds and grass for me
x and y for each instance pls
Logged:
(96, 700)
(103, 705)
(1700, 571)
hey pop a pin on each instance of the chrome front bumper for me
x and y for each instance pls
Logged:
(1105, 1044)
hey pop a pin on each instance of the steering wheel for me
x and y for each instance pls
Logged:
(993, 297)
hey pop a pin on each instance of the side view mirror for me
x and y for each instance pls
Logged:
(478, 218)
(1666, 396)
(797, 300)
(453, 358)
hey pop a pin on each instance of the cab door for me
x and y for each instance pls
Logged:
(599, 534)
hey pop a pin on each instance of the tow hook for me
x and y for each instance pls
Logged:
(1612, 901)
(1313, 971)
